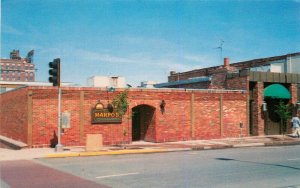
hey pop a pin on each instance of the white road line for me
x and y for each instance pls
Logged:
(117, 175)
(296, 159)
(194, 153)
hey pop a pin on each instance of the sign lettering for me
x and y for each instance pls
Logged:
(104, 116)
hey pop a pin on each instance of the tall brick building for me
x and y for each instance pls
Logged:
(267, 80)
(16, 71)
(17, 68)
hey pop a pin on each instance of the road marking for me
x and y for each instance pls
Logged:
(194, 153)
(117, 175)
(296, 159)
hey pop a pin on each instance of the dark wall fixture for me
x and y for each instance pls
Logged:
(162, 106)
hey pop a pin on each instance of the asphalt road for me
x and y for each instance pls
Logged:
(244, 167)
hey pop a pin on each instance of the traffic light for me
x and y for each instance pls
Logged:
(54, 72)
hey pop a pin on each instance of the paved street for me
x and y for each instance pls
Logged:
(243, 167)
(239, 167)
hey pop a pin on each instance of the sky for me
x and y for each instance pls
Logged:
(145, 40)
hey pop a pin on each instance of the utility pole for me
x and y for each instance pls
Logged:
(221, 50)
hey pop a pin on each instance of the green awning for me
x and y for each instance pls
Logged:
(277, 91)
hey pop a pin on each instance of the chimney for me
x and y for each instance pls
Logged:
(15, 54)
(226, 62)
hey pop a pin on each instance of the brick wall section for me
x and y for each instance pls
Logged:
(207, 116)
(234, 113)
(240, 83)
(13, 115)
(293, 90)
(258, 121)
(172, 125)
(218, 81)
(187, 75)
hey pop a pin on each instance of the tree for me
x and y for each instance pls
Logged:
(121, 103)
(284, 112)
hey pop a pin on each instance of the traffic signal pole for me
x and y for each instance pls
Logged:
(59, 146)
(54, 78)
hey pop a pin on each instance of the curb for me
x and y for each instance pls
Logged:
(283, 143)
(120, 152)
(162, 150)
(248, 145)
(211, 147)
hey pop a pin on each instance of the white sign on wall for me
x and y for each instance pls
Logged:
(65, 120)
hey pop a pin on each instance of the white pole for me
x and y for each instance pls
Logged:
(59, 147)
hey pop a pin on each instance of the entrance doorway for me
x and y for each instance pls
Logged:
(143, 123)
(273, 94)
(272, 122)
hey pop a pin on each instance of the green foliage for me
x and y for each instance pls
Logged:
(121, 103)
(284, 112)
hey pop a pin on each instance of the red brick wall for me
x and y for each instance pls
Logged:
(293, 90)
(234, 112)
(213, 111)
(240, 83)
(174, 124)
(14, 114)
(258, 119)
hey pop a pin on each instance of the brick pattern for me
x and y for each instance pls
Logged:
(293, 91)
(239, 83)
(14, 115)
(258, 119)
(172, 125)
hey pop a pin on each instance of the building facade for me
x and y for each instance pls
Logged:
(30, 115)
(279, 74)
(17, 69)
(106, 81)
(216, 102)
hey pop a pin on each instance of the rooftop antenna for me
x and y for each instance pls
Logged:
(221, 49)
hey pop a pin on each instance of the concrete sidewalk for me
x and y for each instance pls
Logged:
(148, 147)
